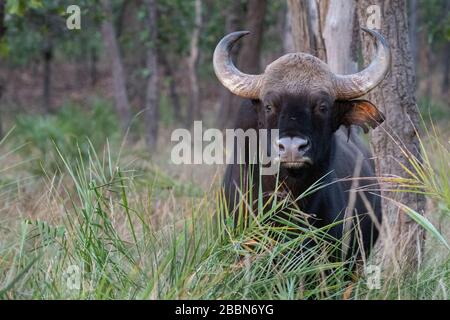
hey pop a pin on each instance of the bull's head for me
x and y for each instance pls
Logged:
(300, 96)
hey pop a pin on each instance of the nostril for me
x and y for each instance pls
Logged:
(303, 145)
(301, 148)
(282, 144)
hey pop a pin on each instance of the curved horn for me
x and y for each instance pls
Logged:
(241, 84)
(355, 85)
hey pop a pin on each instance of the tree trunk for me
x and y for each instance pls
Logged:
(288, 39)
(317, 11)
(326, 30)
(340, 31)
(445, 80)
(2, 19)
(445, 86)
(338, 36)
(47, 55)
(173, 94)
(395, 98)
(152, 92)
(250, 53)
(306, 16)
(413, 30)
(113, 51)
(299, 24)
(2, 36)
(228, 101)
(93, 66)
(121, 20)
(430, 71)
(194, 99)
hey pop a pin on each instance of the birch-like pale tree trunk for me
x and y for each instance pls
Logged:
(338, 36)
(326, 30)
(299, 25)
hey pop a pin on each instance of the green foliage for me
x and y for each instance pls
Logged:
(106, 234)
(436, 21)
(20, 7)
(174, 25)
(33, 25)
(166, 110)
(196, 257)
(272, 39)
(139, 233)
(68, 130)
(432, 110)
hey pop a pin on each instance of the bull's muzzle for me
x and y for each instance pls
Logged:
(292, 150)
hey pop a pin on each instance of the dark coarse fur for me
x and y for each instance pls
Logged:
(335, 151)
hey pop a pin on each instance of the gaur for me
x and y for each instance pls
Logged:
(313, 109)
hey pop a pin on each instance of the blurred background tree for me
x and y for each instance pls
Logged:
(152, 59)
(144, 67)
(433, 31)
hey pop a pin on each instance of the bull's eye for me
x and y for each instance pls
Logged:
(322, 107)
(268, 108)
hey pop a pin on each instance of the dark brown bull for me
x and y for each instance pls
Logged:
(300, 96)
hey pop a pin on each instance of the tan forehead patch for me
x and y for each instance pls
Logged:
(297, 72)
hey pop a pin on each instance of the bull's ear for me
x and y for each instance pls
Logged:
(357, 112)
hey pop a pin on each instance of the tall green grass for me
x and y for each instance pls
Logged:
(108, 235)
